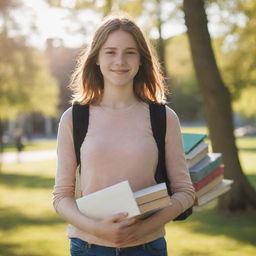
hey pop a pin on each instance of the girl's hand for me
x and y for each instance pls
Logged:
(116, 229)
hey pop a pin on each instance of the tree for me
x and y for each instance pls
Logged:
(25, 82)
(218, 106)
(242, 78)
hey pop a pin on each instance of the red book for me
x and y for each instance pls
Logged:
(209, 178)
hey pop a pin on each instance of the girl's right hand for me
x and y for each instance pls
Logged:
(114, 229)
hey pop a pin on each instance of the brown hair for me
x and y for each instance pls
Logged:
(87, 80)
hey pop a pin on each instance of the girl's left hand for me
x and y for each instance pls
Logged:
(134, 232)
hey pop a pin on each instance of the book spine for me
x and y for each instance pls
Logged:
(198, 175)
(150, 197)
(203, 200)
(192, 162)
(155, 205)
(215, 182)
(217, 172)
(214, 193)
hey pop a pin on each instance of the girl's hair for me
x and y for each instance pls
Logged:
(87, 80)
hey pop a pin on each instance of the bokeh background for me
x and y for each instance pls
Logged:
(208, 54)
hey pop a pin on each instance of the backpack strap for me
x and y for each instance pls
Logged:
(158, 124)
(80, 118)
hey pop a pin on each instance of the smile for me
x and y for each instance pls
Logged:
(120, 71)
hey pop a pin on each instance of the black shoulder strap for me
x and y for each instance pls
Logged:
(80, 118)
(158, 124)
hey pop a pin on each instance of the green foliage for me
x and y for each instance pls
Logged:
(185, 97)
(236, 55)
(236, 50)
(25, 81)
(187, 101)
(245, 105)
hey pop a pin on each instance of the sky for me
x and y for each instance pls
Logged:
(52, 22)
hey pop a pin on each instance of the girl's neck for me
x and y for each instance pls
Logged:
(118, 99)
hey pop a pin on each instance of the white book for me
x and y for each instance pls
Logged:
(109, 201)
(202, 146)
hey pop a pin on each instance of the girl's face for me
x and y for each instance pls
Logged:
(119, 59)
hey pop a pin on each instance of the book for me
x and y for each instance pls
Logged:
(120, 198)
(150, 193)
(209, 178)
(191, 140)
(211, 185)
(109, 201)
(207, 165)
(155, 205)
(222, 188)
(196, 154)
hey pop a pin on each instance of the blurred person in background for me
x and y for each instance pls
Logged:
(18, 141)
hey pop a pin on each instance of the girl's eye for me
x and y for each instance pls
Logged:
(110, 52)
(131, 52)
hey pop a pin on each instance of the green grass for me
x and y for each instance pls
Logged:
(213, 234)
(30, 227)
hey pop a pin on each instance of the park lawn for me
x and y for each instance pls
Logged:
(30, 227)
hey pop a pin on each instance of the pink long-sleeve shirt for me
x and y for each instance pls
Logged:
(119, 146)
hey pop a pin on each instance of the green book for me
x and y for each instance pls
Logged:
(191, 140)
(207, 165)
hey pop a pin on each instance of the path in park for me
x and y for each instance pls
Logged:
(28, 156)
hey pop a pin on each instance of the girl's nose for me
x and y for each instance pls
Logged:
(120, 59)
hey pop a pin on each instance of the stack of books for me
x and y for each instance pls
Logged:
(120, 198)
(206, 169)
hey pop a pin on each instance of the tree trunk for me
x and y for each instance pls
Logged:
(1, 144)
(160, 43)
(218, 107)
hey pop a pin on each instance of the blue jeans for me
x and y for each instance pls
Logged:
(79, 247)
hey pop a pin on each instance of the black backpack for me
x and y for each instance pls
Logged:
(158, 123)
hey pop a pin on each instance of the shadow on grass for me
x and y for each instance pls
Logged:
(28, 181)
(252, 179)
(10, 249)
(11, 219)
(247, 149)
(14, 249)
(241, 227)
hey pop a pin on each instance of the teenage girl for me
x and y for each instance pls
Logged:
(118, 76)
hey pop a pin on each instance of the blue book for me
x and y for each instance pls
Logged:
(191, 140)
(207, 165)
